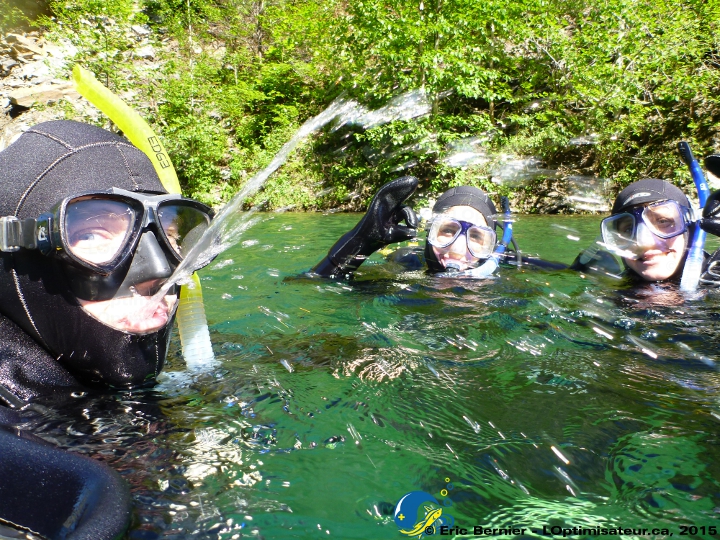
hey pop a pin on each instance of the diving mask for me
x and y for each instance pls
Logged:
(444, 230)
(665, 219)
(112, 240)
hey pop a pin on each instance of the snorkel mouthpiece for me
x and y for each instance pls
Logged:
(452, 267)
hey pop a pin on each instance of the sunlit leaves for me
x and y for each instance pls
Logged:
(636, 75)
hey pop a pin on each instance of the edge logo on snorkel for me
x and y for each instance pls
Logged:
(159, 154)
(419, 514)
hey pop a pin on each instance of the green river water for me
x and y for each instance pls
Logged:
(534, 399)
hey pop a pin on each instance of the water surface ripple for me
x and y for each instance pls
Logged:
(546, 398)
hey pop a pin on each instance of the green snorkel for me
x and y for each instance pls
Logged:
(192, 323)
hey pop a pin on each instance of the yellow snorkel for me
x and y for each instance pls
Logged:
(192, 323)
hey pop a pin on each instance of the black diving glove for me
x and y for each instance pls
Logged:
(596, 261)
(379, 227)
(710, 221)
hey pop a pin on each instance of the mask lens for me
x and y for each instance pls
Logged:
(96, 230)
(443, 232)
(183, 226)
(480, 241)
(664, 220)
(618, 230)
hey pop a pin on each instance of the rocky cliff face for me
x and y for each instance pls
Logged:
(32, 79)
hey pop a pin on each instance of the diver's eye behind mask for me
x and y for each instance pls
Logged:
(444, 230)
(665, 219)
(99, 231)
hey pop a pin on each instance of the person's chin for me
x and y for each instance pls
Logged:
(656, 267)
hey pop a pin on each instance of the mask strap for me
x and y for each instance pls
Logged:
(16, 234)
(28, 233)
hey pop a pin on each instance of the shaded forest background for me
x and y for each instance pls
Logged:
(600, 90)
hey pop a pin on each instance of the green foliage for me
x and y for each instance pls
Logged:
(10, 19)
(100, 30)
(640, 77)
(17, 15)
(605, 88)
(634, 76)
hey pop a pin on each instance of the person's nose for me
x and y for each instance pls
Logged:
(459, 247)
(149, 268)
(646, 239)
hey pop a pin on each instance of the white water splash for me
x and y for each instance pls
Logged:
(588, 193)
(404, 107)
(516, 171)
(229, 224)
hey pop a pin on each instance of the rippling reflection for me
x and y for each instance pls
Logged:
(547, 398)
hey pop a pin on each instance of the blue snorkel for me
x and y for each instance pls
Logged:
(507, 228)
(695, 258)
(490, 265)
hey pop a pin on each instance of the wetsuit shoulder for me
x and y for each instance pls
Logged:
(58, 494)
(44, 489)
(27, 371)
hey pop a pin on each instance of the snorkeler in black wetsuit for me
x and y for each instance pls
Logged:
(87, 235)
(462, 235)
(650, 229)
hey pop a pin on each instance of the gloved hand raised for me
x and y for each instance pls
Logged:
(710, 221)
(380, 226)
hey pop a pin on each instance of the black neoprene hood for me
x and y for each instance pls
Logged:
(461, 196)
(467, 196)
(49, 162)
(646, 191)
